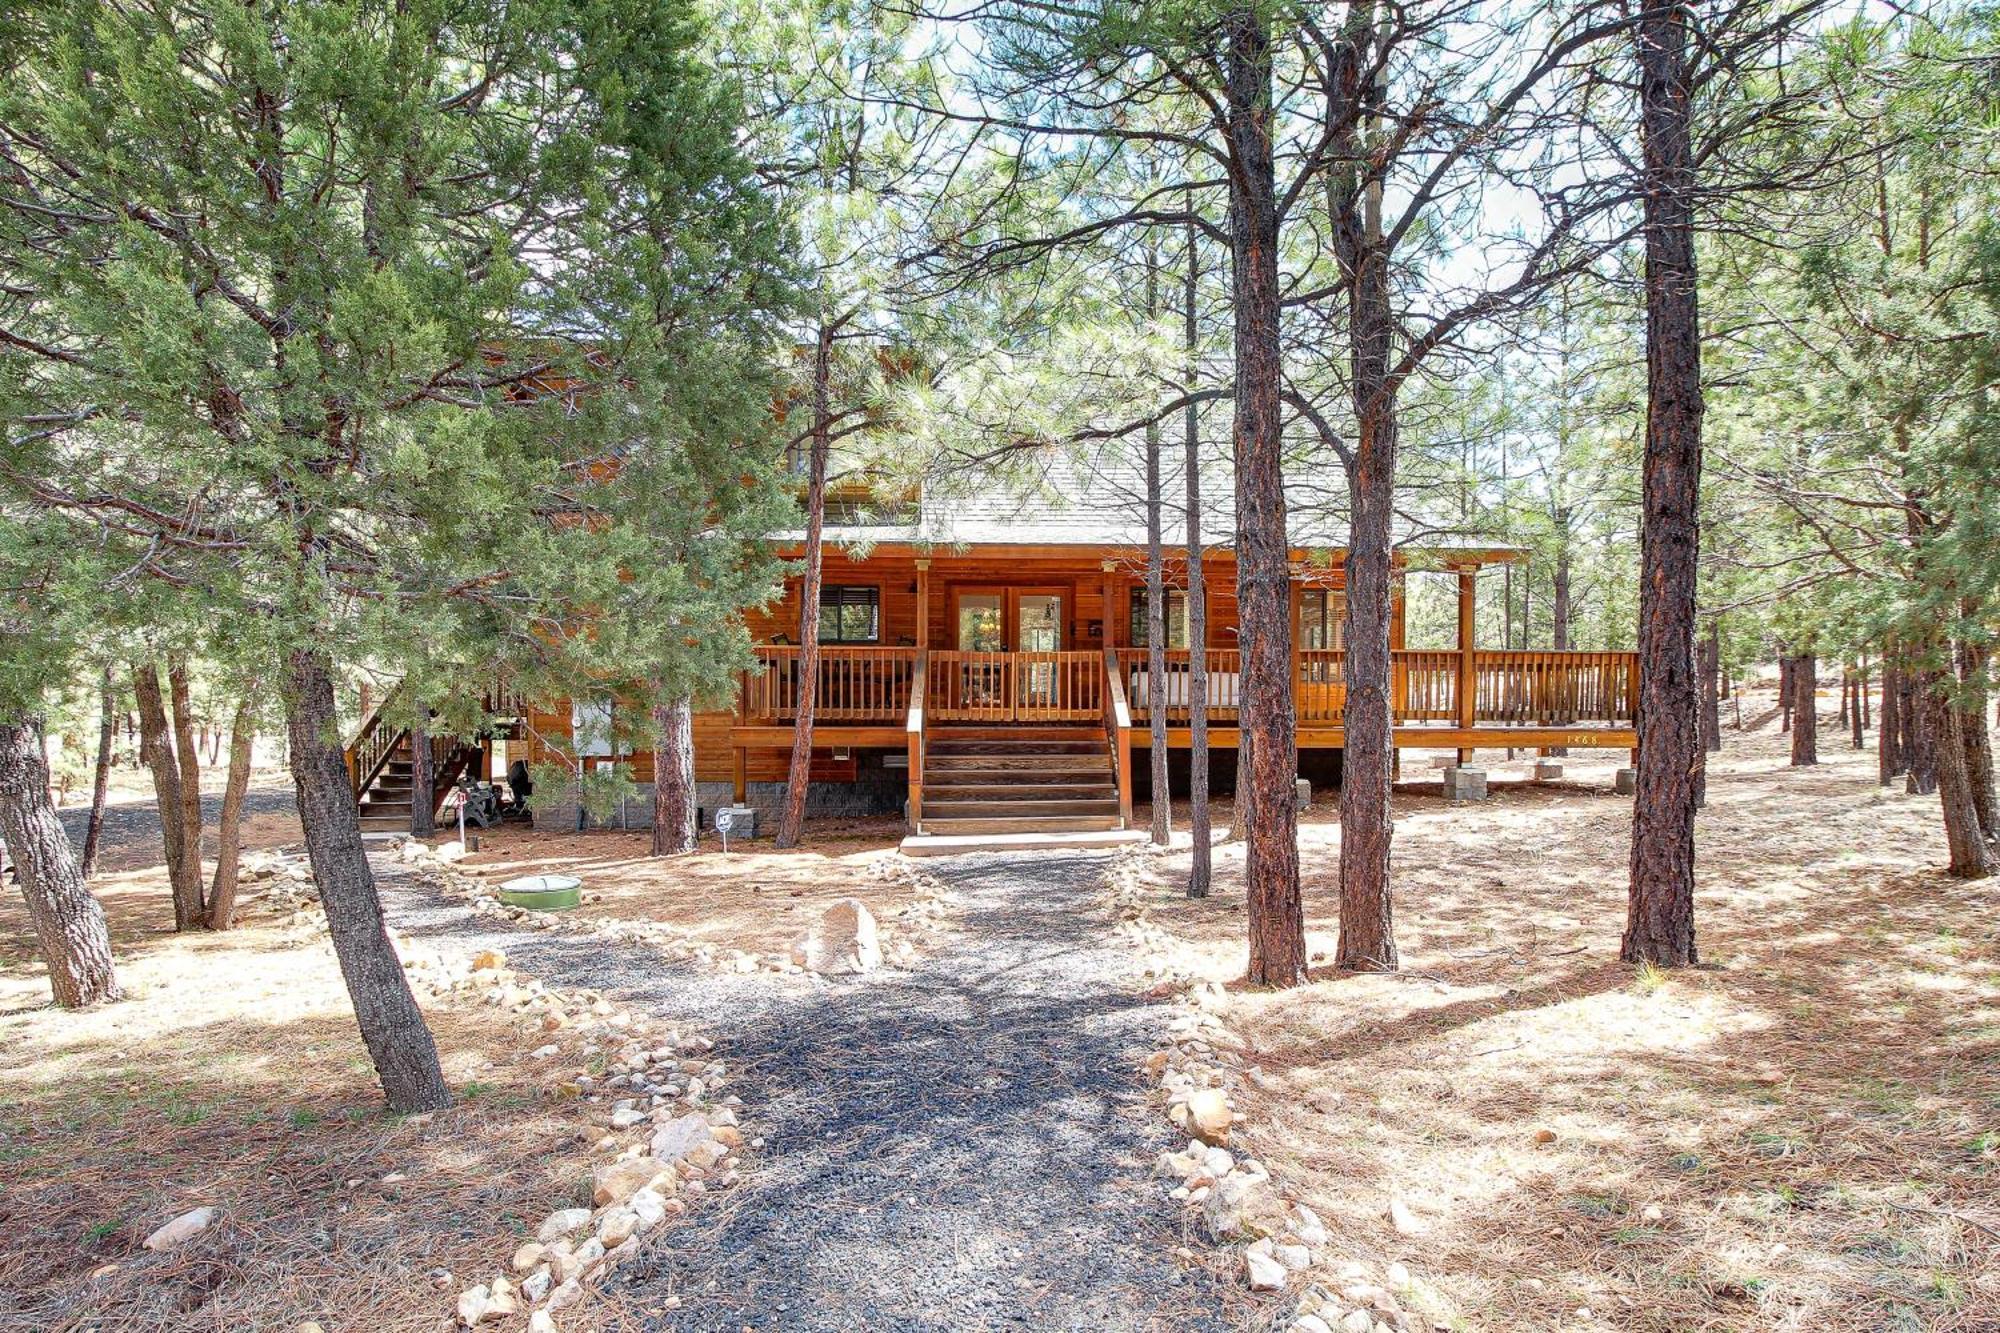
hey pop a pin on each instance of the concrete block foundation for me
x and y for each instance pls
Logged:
(1465, 784)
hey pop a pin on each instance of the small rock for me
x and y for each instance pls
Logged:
(528, 1256)
(1544, 1137)
(536, 1284)
(627, 1118)
(1310, 1323)
(1405, 1221)
(183, 1228)
(1357, 1321)
(677, 1138)
(569, 1293)
(617, 1226)
(1264, 1272)
(649, 1206)
(1399, 1276)
(541, 1321)
(1652, 1212)
(560, 1223)
(1208, 1115)
(620, 1180)
(473, 1304)
(1307, 1226)
(1296, 1258)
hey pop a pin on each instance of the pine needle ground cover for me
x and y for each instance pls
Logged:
(234, 1077)
(1802, 1133)
(754, 898)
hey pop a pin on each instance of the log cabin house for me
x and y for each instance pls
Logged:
(983, 668)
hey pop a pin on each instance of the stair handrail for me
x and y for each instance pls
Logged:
(368, 752)
(1118, 732)
(913, 729)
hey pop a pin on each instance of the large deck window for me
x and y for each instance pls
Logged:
(1176, 599)
(850, 614)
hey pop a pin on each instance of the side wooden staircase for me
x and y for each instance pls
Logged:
(381, 765)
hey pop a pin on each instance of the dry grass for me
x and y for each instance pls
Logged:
(234, 1076)
(1803, 1133)
(754, 898)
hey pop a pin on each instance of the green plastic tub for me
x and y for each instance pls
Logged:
(544, 893)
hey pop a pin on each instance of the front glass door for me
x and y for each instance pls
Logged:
(982, 623)
(1038, 628)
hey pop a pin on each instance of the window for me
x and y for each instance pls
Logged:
(1320, 611)
(1176, 618)
(850, 614)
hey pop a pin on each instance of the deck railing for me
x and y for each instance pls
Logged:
(1016, 687)
(1510, 688)
(874, 685)
(1554, 688)
(870, 684)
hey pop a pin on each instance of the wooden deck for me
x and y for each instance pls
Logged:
(1439, 691)
(943, 707)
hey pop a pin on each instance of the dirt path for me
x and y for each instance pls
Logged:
(946, 1148)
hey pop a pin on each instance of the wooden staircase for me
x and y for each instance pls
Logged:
(381, 767)
(1015, 780)
(386, 803)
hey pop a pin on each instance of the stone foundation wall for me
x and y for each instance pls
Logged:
(874, 794)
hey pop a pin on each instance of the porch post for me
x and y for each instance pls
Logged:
(923, 604)
(1468, 679)
(1110, 567)
(741, 774)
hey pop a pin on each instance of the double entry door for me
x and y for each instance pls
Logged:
(1011, 663)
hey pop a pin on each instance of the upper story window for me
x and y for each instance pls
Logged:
(850, 614)
(1176, 600)
(1320, 612)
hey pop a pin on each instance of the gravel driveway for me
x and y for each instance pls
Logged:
(134, 826)
(953, 1147)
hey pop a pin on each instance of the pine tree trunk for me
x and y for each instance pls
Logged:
(1920, 748)
(1977, 744)
(791, 821)
(1711, 692)
(228, 830)
(1889, 731)
(69, 924)
(1857, 713)
(1559, 597)
(1156, 646)
(1367, 924)
(423, 778)
(1971, 853)
(1271, 849)
(1200, 860)
(156, 751)
(392, 1026)
(1784, 692)
(1659, 925)
(1805, 710)
(673, 778)
(190, 762)
(100, 784)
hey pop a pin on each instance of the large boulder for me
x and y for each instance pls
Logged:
(843, 940)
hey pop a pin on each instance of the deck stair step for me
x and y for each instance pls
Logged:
(1024, 763)
(1023, 824)
(1014, 782)
(956, 844)
(952, 808)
